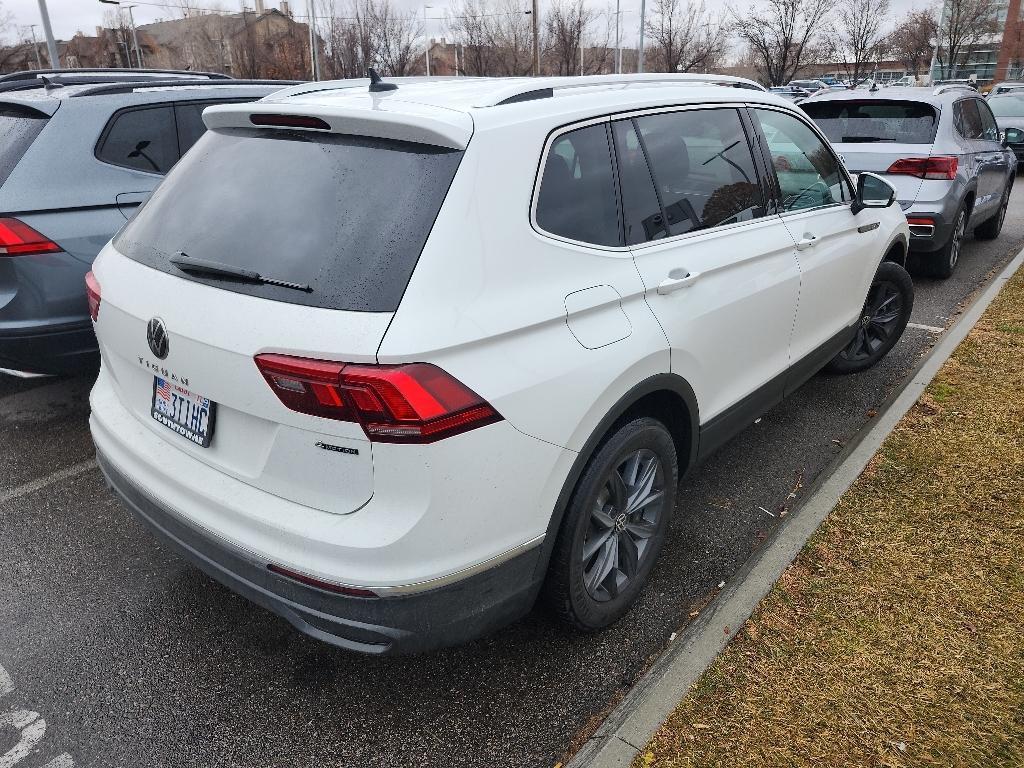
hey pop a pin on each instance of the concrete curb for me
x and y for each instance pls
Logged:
(632, 723)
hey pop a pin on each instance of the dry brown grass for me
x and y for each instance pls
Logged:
(897, 636)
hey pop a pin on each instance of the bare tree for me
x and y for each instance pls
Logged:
(496, 37)
(965, 23)
(566, 25)
(349, 41)
(394, 34)
(857, 35)
(910, 43)
(780, 34)
(684, 36)
(468, 25)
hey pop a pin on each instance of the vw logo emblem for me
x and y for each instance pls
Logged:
(156, 335)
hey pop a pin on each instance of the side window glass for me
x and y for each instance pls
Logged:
(988, 122)
(702, 168)
(641, 210)
(577, 190)
(145, 139)
(190, 123)
(809, 174)
(970, 120)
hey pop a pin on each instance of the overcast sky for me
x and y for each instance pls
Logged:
(70, 16)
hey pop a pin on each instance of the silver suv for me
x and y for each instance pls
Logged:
(940, 148)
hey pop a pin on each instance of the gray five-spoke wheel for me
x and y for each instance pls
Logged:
(624, 517)
(959, 230)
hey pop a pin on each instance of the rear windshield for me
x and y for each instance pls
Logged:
(1007, 106)
(345, 215)
(18, 129)
(855, 122)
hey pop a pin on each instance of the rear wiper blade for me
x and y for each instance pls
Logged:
(186, 263)
(863, 139)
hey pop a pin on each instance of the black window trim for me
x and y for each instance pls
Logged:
(770, 200)
(155, 105)
(766, 159)
(958, 115)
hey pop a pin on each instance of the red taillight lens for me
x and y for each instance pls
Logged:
(290, 121)
(92, 291)
(19, 239)
(411, 403)
(926, 167)
(920, 221)
(319, 583)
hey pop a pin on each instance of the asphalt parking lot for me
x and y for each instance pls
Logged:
(134, 658)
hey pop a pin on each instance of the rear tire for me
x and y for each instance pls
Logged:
(942, 263)
(614, 527)
(883, 320)
(990, 229)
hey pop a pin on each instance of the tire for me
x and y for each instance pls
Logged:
(884, 318)
(624, 545)
(990, 229)
(943, 262)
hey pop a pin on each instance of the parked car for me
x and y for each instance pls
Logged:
(392, 362)
(811, 86)
(1007, 87)
(940, 148)
(1008, 109)
(790, 93)
(79, 151)
(907, 81)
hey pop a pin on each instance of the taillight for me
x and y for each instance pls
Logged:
(926, 167)
(92, 291)
(410, 403)
(19, 239)
(319, 583)
(290, 121)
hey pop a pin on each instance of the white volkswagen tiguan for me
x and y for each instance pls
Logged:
(395, 361)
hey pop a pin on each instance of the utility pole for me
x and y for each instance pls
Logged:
(35, 46)
(643, 21)
(51, 44)
(536, 38)
(135, 37)
(938, 39)
(314, 57)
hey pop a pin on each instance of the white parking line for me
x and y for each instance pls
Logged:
(30, 729)
(35, 485)
(929, 328)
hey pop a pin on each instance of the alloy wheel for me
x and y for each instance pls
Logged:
(624, 517)
(957, 238)
(879, 321)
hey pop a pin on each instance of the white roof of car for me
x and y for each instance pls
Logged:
(447, 111)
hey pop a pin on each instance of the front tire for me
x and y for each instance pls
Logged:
(884, 318)
(614, 527)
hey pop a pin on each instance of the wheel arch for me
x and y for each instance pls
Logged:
(666, 396)
(897, 250)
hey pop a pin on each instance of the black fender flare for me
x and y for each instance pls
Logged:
(661, 382)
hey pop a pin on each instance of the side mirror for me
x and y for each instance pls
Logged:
(1011, 136)
(872, 192)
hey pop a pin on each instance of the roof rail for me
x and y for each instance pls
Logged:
(32, 74)
(528, 89)
(109, 88)
(953, 87)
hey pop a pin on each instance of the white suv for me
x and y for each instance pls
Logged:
(394, 361)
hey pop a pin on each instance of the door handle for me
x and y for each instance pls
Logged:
(677, 279)
(808, 241)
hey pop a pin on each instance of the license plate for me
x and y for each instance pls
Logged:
(187, 413)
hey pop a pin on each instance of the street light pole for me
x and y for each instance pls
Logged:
(643, 19)
(51, 44)
(35, 46)
(314, 55)
(536, 38)
(426, 38)
(135, 37)
(618, 48)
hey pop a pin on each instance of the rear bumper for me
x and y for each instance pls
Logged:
(57, 349)
(924, 239)
(455, 613)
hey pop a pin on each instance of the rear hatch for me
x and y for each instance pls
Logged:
(334, 224)
(872, 134)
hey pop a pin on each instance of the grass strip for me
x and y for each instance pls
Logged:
(896, 638)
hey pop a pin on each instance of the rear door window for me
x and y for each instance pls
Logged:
(577, 190)
(701, 166)
(864, 122)
(19, 127)
(990, 131)
(145, 139)
(345, 215)
(967, 117)
(642, 214)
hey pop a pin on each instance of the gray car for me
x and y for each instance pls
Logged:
(939, 148)
(79, 151)
(1009, 111)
